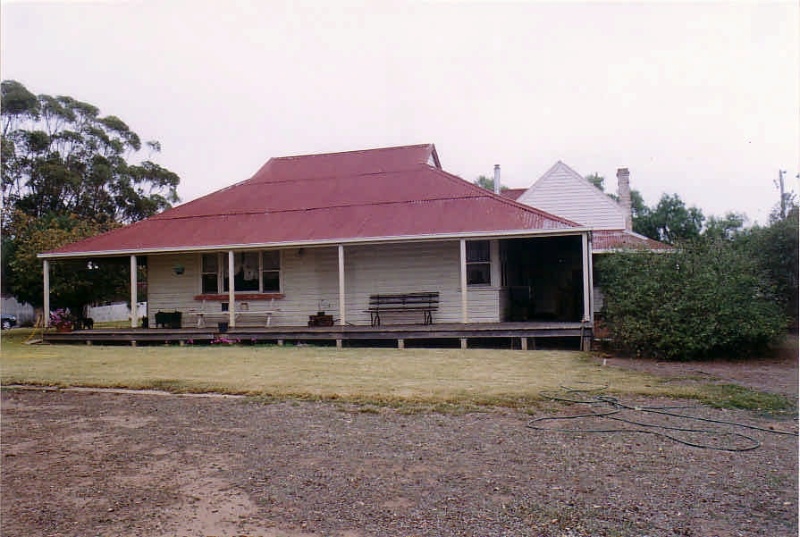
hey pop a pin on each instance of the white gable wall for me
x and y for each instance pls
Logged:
(564, 192)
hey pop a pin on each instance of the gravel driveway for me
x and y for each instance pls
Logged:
(99, 463)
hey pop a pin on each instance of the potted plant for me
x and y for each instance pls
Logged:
(61, 320)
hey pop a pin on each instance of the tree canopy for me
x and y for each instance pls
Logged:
(597, 180)
(670, 221)
(70, 172)
(775, 248)
(74, 283)
(60, 156)
(487, 183)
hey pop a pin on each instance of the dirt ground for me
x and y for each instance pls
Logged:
(777, 374)
(83, 463)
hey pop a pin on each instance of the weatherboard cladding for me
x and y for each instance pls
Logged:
(563, 191)
(310, 283)
(359, 195)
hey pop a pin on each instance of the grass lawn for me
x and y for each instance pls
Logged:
(480, 376)
(430, 376)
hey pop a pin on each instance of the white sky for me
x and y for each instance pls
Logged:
(698, 99)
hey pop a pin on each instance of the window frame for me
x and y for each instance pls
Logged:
(204, 273)
(263, 269)
(222, 273)
(475, 259)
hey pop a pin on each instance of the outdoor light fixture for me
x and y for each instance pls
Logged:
(178, 270)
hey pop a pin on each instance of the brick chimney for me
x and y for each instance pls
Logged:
(624, 193)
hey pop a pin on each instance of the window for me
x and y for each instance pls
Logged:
(246, 268)
(479, 266)
(210, 273)
(271, 271)
(254, 272)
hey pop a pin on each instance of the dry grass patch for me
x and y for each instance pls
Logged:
(383, 376)
(388, 374)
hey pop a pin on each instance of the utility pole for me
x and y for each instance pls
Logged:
(783, 194)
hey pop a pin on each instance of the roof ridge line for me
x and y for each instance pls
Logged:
(329, 177)
(341, 206)
(251, 181)
(352, 151)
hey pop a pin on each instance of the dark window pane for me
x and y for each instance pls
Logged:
(210, 283)
(479, 274)
(477, 251)
(272, 281)
(272, 260)
(241, 283)
(210, 262)
(246, 277)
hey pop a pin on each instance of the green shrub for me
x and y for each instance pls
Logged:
(775, 248)
(705, 299)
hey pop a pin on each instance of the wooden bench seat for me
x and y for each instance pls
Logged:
(426, 302)
(223, 316)
(242, 312)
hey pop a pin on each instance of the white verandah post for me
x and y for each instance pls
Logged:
(591, 278)
(46, 305)
(342, 305)
(231, 292)
(586, 246)
(134, 291)
(587, 277)
(463, 262)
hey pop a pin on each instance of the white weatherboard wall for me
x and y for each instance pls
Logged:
(410, 268)
(309, 282)
(167, 291)
(563, 192)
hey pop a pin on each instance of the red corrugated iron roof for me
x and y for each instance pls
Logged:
(361, 162)
(358, 195)
(613, 240)
(512, 193)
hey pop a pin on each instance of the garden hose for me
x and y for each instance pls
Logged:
(729, 441)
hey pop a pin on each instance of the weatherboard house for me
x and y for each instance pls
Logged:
(563, 191)
(355, 245)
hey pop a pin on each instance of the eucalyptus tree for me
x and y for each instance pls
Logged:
(69, 172)
(670, 221)
(62, 157)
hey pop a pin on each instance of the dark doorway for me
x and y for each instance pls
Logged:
(543, 278)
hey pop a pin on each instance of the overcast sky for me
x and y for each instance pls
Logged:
(698, 99)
